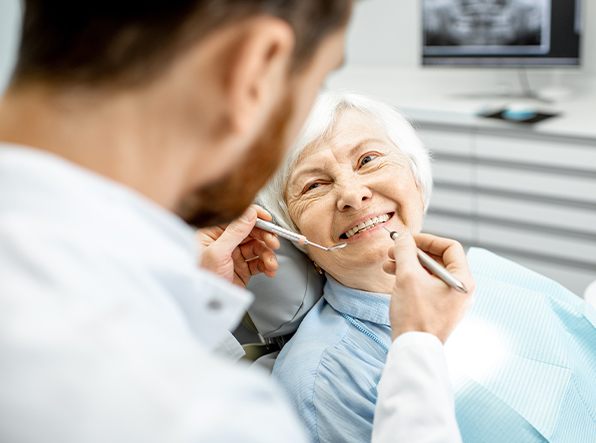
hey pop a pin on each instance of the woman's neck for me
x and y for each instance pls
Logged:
(372, 279)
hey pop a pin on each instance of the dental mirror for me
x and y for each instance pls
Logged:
(294, 236)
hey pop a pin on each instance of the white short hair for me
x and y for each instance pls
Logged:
(326, 112)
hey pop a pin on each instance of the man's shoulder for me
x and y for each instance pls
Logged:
(59, 284)
(40, 260)
(193, 394)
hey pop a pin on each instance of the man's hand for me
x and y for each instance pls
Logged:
(420, 301)
(239, 250)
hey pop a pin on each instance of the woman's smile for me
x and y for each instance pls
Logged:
(366, 226)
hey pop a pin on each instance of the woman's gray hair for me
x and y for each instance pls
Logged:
(326, 112)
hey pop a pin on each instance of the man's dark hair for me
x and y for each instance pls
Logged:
(95, 42)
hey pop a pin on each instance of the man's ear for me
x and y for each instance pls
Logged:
(257, 73)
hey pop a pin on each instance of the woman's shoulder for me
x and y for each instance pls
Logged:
(321, 333)
(322, 365)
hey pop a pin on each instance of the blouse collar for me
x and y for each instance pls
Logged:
(364, 305)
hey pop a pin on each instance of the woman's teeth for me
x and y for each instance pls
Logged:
(368, 224)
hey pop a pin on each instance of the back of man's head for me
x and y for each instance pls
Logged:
(131, 42)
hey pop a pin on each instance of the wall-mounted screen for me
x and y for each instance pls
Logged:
(501, 32)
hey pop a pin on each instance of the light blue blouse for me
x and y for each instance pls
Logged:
(539, 383)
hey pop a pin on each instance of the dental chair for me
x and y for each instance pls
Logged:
(590, 294)
(280, 305)
(514, 407)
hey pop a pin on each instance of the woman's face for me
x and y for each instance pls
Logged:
(345, 188)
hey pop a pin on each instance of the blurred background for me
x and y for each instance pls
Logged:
(503, 92)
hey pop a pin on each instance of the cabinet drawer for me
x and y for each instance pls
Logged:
(453, 173)
(447, 142)
(538, 152)
(557, 247)
(558, 217)
(563, 187)
(446, 199)
(462, 230)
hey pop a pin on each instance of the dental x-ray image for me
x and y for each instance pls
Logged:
(484, 26)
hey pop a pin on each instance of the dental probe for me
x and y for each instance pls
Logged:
(294, 236)
(433, 266)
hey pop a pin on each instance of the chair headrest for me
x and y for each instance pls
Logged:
(282, 302)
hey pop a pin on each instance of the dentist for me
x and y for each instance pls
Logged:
(125, 122)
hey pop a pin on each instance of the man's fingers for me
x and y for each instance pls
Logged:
(207, 236)
(255, 258)
(257, 266)
(437, 246)
(262, 213)
(253, 248)
(451, 252)
(265, 255)
(238, 230)
(404, 253)
(270, 239)
(242, 230)
(253, 266)
(268, 271)
(241, 267)
(391, 258)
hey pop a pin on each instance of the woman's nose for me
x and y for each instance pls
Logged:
(353, 196)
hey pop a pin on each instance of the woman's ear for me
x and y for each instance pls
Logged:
(258, 72)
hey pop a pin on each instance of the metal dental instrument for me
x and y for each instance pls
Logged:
(294, 236)
(434, 267)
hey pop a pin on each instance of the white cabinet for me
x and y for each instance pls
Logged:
(536, 183)
(528, 197)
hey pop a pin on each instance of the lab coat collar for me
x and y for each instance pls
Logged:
(364, 305)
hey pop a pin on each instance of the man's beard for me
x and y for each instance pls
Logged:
(227, 198)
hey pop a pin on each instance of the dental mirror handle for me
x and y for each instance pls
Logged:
(293, 236)
(284, 233)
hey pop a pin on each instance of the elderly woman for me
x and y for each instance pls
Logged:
(360, 168)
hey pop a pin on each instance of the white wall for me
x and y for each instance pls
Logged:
(384, 32)
(387, 32)
(9, 30)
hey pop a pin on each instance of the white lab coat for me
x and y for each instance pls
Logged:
(107, 328)
(415, 401)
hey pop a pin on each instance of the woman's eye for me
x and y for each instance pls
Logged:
(367, 159)
(312, 186)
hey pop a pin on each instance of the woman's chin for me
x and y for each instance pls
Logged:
(368, 250)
